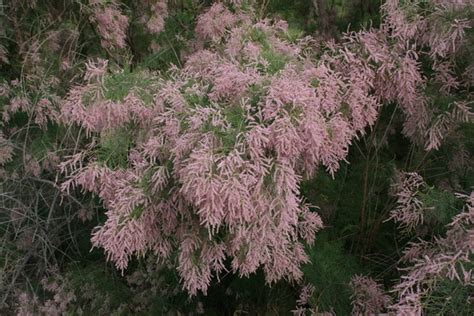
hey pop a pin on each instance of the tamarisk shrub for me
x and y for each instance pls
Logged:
(211, 155)
(203, 164)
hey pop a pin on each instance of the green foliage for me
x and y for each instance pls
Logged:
(171, 42)
(444, 206)
(330, 272)
(114, 147)
(96, 287)
(249, 295)
(295, 12)
(275, 60)
(450, 298)
(118, 85)
(235, 115)
(304, 15)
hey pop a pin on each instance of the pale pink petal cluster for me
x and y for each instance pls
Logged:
(368, 296)
(6, 150)
(152, 14)
(214, 23)
(448, 257)
(111, 23)
(410, 209)
(410, 31)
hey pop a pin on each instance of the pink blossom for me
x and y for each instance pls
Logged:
(213, 23)
(368, 297)
(111, 24)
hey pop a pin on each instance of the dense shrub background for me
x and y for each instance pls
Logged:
(404, 182)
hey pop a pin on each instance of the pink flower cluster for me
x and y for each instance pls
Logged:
(368, 296)
(63, 296)
(215, 22)
(408, 31)
(111, 23)
(448, 257)
(87, 106)
(156, 13)
(306, 292)
(6, 150)
(410, 209)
